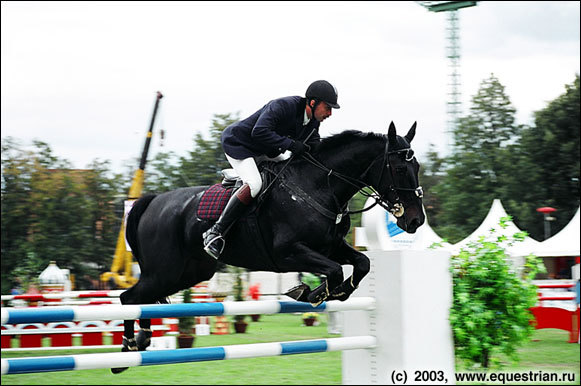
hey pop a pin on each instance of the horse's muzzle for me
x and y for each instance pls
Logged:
(411, 221)
(414, 225)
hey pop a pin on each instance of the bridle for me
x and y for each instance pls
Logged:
(395, 207)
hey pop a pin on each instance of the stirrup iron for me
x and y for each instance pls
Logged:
(208, 249)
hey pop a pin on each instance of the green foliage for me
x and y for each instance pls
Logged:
(186, 323)
(312, 280)
(238, 288)
(162, 173)
(478, 162)
(549, 153)
(493, 157)
(53, 212)
(207, 159)
(432, 172)
(491, 300)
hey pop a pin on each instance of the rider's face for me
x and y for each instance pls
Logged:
(323, 111)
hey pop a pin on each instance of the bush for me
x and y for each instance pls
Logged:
(490, 312)
(238, 290)
(186, 323)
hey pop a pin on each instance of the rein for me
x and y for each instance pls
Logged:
(395, 208)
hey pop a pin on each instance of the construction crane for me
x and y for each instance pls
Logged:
(453, 103)
(121, 268)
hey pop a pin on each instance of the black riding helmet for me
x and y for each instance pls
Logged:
(322, 91)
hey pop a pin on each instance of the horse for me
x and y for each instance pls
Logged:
(297, 224)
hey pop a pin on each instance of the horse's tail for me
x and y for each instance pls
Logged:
(133, 221)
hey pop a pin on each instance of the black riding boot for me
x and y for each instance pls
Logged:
(214, 237)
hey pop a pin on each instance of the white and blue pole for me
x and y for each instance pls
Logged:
(147, 358)
(150, 311)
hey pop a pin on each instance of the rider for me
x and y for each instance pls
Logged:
(282, 124)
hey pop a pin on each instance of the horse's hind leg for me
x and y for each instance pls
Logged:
(140, 293)
(143, 338)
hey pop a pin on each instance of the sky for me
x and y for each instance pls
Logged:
(83, 76)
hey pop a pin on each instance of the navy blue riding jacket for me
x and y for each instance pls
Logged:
(270, 130)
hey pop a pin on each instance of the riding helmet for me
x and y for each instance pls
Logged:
(321, 90)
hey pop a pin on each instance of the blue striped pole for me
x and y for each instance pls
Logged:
(147, 358)
(149, 311)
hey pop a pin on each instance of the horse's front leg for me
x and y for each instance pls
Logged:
(361, 266)
(299, 257)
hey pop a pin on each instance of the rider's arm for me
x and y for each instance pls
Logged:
(264, 130)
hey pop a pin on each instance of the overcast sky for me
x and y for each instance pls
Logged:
(83, 76)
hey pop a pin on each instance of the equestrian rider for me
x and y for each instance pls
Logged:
(282, 124)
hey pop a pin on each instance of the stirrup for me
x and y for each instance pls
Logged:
(212, 251)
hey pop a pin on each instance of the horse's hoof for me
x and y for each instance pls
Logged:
(299, 293)
(143, 339)
(117, 370)
(318, 295)
(342, 296)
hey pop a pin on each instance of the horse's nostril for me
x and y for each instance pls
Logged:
(414, 225)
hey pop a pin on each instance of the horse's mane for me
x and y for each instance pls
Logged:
(345, 138)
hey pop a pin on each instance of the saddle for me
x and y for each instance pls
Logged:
(216, 197)
(213, 202)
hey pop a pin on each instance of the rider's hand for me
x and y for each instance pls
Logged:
(299, 148)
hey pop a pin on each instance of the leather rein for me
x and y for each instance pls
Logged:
(396, 207)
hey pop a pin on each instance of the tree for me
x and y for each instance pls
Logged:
(525, 167)
(203, 164)
(17, 169)
(53, 212)
(479, 163)
(548, 163)
(432, 172)
(163, 174)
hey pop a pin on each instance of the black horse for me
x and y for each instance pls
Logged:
(299, 224)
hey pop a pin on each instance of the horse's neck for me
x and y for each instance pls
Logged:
(351, 160)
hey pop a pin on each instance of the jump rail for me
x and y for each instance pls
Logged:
(150, 311)
(147, 358)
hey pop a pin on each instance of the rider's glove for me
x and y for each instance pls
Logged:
(299, 148)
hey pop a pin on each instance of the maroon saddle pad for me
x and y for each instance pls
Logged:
(213, 202)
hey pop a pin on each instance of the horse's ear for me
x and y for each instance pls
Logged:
(391, 132)
(412, 133)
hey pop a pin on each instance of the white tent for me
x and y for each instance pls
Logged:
(491, 221)
(564, 243)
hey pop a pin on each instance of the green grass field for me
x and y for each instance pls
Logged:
(547, 352)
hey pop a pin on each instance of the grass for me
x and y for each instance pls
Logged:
(319, 368)
(547, 352)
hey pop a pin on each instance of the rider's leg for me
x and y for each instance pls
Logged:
(247, 170)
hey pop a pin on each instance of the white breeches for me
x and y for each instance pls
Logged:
(248, 171)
